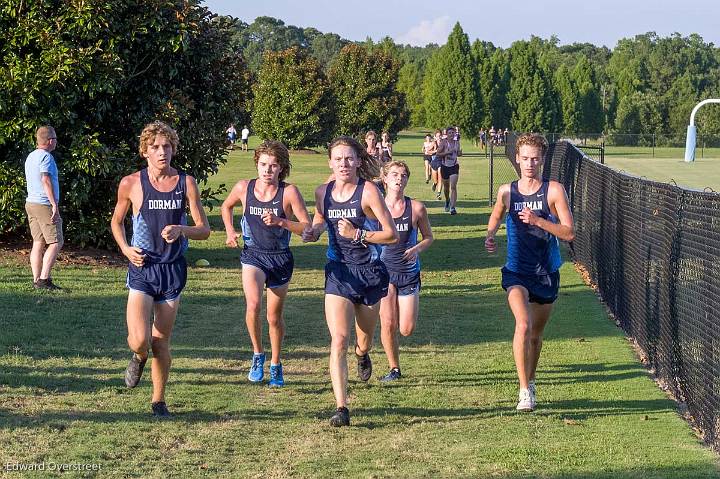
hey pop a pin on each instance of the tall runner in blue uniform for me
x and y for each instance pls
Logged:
(268, 206)
(399, 309)
(358, 222)
(538, 215)
(159, 196)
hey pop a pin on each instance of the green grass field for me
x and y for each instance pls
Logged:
(63, 401)
(667, 165)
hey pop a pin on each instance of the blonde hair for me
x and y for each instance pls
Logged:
(154, 129)
(535, 140)
(369, 168)
(44, 133)
(386, 168)
(278, 151)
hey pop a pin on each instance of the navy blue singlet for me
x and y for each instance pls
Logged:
(339, 248)
(256, 234)
(392, 254)
(158, 210)
(531, 250)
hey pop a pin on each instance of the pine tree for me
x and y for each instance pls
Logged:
(569, 104)
(531, 95)
(410, 83)
(451, 89)
(590, 114)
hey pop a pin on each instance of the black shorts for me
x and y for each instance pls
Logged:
(435, 163)
(406, 284)
(163, 281)
(542, 289)
(427, 158)
(361, 284)
(277, 265)
(447, 171)
(244, 141)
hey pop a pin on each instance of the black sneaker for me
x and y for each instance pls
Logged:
(393, 375)
(160, 409)
(134, 371)
(46, 284)
(340, 418)
(364, 367)
(452, 211)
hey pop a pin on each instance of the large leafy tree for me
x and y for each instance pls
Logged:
(293, 102)
(451, 88)
(325, 47)
(364, 83)
(98, 71)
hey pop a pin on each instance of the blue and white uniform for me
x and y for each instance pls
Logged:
(533, 257)
(164, 272)
(353, 271)
(266, 247)
(405, 275)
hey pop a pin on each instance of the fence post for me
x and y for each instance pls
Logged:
(490, 174)
(653, 145)
(602, 152)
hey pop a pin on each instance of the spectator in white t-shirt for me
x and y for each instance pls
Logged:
(244, 135)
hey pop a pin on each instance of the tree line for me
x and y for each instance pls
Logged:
(98, 70)
(645, 85)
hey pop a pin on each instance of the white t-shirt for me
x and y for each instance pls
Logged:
(245, 133)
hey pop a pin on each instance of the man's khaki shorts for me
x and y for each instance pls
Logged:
(41, 228)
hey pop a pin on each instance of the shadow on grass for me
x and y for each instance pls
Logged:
(453, 311)
(577, 410)
(58, 421)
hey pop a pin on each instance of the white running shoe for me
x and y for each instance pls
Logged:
(526, 401)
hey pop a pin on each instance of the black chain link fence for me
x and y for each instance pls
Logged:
(653, 250)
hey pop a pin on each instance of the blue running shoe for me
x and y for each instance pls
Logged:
(257, 372)
(393, 375)
(276, 376)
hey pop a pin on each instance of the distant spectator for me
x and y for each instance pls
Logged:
(244, 135)
(41, 205)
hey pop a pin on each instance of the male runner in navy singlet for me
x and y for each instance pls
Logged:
(358, 222)
(159, 196)
(269, 204)
(399, 309)
(538, 214)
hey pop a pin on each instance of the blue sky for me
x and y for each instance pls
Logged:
(422, 21)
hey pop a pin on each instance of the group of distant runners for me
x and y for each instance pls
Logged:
(375, 236)
(440, 153)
